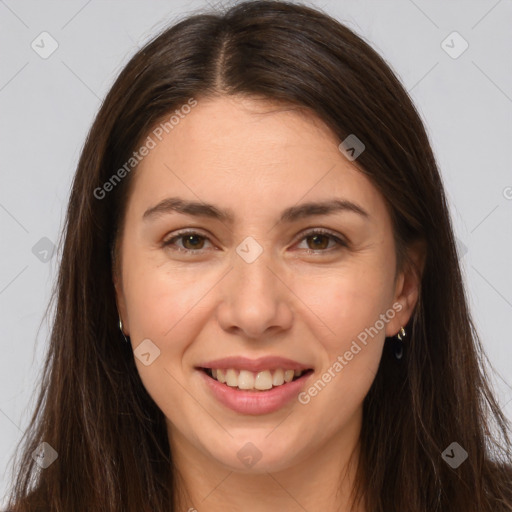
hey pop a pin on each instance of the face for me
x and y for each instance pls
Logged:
(237, 278)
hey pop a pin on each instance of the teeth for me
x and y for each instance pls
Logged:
(263, 380)
(231, 378)
(244, 379)
(221, 376)
(278, 377)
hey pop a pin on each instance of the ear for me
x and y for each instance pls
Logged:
(408, 286)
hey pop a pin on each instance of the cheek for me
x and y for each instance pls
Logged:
(163, 308)
(352, 308)
(349, 307)
(346, 302)
(160, 297)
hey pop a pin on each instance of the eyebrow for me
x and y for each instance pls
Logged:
(291, 214)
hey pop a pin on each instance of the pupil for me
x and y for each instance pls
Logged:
(190, 238)
(315, 237)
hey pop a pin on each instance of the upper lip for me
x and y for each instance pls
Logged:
(255, 365)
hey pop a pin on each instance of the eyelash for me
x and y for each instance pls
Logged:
(319, 231)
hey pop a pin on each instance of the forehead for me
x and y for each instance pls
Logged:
(248, 151)
(254, 133)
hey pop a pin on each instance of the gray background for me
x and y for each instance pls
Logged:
(47, 106)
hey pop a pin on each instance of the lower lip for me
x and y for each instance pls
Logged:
(255, 402)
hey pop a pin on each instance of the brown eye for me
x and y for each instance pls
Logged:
(190, 242)
(193, 241)
(318, 240)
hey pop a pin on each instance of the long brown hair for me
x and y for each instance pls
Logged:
(111, 438)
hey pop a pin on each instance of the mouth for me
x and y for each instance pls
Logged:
(256, 387)
(252, 381)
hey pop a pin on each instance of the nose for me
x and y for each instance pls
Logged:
(255, 299)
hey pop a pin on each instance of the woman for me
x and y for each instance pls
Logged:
(207, 349)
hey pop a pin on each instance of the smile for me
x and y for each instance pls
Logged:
(248, 380)
(250, 400)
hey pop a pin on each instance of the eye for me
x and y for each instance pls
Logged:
(320, 240)
(192, 241)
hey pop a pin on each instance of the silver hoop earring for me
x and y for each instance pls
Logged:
(398, 344)
(121, 329)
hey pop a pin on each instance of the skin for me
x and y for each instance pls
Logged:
(257, 159)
